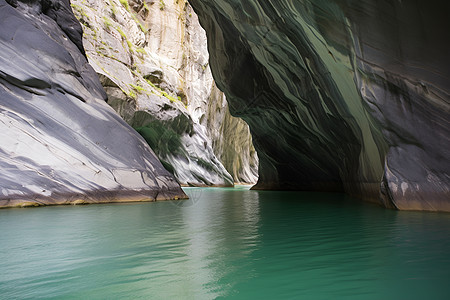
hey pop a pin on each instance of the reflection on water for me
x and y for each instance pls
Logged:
(225, 243)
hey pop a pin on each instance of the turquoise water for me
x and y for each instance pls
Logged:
(225, 243)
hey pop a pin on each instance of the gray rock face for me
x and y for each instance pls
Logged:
(60, 142)
(153, 62)
(340, 95)
(231, 139)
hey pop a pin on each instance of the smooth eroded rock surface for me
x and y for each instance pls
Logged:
(153, 62)
(340, 95)
(60, 142)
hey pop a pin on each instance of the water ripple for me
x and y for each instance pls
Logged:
(226, 243)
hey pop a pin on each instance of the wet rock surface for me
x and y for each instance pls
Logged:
(60, 141)
(340, 95)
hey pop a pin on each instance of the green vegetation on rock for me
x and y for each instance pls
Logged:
(81, 14)
(145, 72)
(124, 36)
(107, 22)
(113, 9)
(139, 24)
(125, 4)
(139, 88)
(141, 50)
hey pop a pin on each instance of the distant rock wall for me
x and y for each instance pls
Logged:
(60, 142)
(231, 139)
(344, 95)
(153, 62)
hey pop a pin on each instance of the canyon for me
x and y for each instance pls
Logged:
(339, 96)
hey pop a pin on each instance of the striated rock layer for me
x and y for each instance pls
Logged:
(153, 62)
(343, 95)
(60, 142)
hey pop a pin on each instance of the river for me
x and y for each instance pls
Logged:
(226, 243)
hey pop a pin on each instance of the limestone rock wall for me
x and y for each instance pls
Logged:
(153, 62)
(231, 139)
(60, 142)
(340, 95)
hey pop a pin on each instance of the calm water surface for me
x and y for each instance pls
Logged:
(225, 243)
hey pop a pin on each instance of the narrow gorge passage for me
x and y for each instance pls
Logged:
(153, 62)
(327, 105)
(345, 96)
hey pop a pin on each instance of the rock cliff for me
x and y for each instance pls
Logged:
(340, 95)
(60, 142)
(153, 63)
